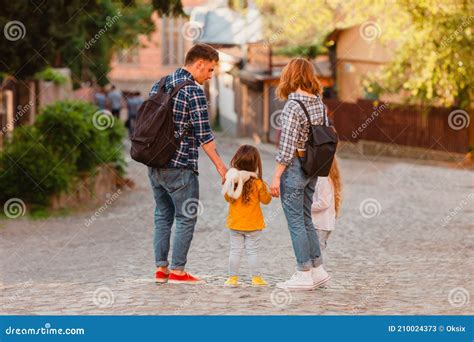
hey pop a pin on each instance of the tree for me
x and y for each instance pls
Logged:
(296, 24)
(76, 34)
(32, 34)
(110, 28)
(434, 63)
(168, 7)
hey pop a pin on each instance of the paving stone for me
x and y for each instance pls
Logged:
(414, 256)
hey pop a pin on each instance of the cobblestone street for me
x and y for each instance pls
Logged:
(404, 244)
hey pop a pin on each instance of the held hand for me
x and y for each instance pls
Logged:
(222, 171)
(275, 187)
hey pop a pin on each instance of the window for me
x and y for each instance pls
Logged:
(172, 47)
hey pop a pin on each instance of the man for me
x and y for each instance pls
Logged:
(100, 99)
(115, 100)
(176, 187)
(134, 101)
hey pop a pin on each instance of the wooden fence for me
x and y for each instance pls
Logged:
(6, 115)
(427, 127)
(389, 123)
(403, 125)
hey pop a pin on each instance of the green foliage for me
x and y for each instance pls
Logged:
(51, 75)
(71, 127)
(38, 29)
(65, 128)
(102, 146)
(168, 7)
(60, 34)
(31, 170)
(45, 158)
(3, 75)
(372, 89)
(309, 51)
(434, 64)
(111, 27)
(305, 23)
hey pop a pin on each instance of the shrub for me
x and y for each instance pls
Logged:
(72, 130)
(63, 128)
(44, 159)
(51, 75)
(105, 144)
(31, 170)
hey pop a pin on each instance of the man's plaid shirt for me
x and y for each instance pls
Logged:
(189, 106)
(295, 126)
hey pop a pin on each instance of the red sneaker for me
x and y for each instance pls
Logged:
(185, 278)
(161, 277)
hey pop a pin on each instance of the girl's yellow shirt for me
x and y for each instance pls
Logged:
(248, 216)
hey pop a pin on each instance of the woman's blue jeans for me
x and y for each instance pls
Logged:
(297, 191)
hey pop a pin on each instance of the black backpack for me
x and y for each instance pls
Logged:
(320, 147)
(154, 141)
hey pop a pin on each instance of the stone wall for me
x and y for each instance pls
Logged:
(90, 190)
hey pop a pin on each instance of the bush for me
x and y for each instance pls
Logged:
(44, 159)
(51, 75)
(105, 144)
(31, 170)
(63, 128)
(73, 129)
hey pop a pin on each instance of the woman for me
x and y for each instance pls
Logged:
(298, 82)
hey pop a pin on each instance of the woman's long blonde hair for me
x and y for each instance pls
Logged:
(335, 178)
(298, 73)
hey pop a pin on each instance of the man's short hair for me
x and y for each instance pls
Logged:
(201, 51)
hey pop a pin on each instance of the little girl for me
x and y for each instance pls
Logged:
(326, 203)
(244, 190)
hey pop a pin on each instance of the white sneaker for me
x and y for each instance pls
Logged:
(319, 276)
(301, 280)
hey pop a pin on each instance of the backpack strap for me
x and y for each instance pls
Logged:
(326, 118)
(310, 133)
(304, 110)
(161, 88)
(162, 84)
(176, 89)
(179, 86)
(326, 121)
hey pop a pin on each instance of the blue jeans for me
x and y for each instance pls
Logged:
(176, 193)
(297, 191)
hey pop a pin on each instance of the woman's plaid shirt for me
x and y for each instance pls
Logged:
(189, 106)
(294, 125)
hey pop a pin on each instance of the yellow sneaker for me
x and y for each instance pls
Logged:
(258, 281)
(232, 281)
